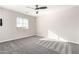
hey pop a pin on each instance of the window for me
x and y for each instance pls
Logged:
(22, 23)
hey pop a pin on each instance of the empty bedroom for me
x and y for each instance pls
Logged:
(39, 29)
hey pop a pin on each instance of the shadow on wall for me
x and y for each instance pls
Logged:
(53, 36)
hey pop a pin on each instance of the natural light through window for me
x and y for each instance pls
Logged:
(52, 35)
(22, 23)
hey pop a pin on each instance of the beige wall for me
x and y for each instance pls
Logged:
(63, 23)
(9, 31)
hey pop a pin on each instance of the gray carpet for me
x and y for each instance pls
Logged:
(35, 45)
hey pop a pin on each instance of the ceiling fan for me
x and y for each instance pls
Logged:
(37, 7)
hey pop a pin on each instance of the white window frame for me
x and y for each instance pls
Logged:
(22, 22)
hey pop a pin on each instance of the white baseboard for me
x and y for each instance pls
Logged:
(16, 38)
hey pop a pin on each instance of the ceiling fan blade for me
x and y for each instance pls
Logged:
(42, 7)
(30, 7)
(36, 8)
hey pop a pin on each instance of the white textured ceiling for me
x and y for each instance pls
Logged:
(28, 11)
